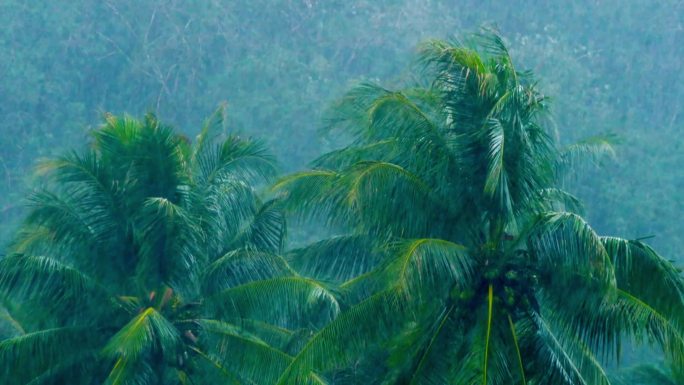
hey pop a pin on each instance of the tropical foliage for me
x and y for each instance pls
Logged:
(458, 256)
(148, 259)
(460, 259)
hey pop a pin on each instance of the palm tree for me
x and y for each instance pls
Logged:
(461, 259)
(151, 260)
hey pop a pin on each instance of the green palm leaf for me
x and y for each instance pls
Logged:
(309, 302)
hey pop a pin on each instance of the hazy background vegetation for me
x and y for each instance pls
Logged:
(611, 66)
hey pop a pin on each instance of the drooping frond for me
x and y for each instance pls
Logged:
(421, 353)
(169, 244)
(49, 281)
(56, 221)
(366, 195)
(349, 336)
(281, 338)
(496, 174)
(450, 58)
(130, 372)
(395, 115)
(223, 211)
(234, 158)
(212, 128)
(563, 243)
(592, 149)
(644, 323)
(148, 331)
(561, 358)
(349, 115)
(337, 259)
(646, 275)
(426, 264)
(555, 199)
(26, 356)
(239, 267)
(386, 150)
(244, 353)
(492, 43)
(308, 189)
(265, 231)
(308, 302)
(405, 128)
(650, 305)
(89, 183)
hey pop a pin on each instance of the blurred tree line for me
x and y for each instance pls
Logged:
(613, 66)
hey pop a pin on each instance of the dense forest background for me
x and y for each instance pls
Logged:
(611, 66)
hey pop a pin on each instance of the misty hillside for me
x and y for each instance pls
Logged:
(610, 68)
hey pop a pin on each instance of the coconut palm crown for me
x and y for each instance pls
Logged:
(460, 259)
(151, 260)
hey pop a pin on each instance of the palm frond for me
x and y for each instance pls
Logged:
(75, 368)
(570, 363)
(59, 221)
(276, 336)
(492, 43)
(349, 115)
(10, 326)
(395, 115)
(556, 199)
(168, 250)
(450, 58)
(242, 266)
(290, 302)
(28, 355)
(148, 331)
(222, 211)
(642, 272)
(432, 265)
(48, 280)
(632, 316)
(366, 195)
(245, 354)
(564, 242)
(235, 158)
(215, 365)
(593, 149)
(130, 372)
(85, 177)
(265, 232)
(209, 132)
(337, 259)
(148, 153)
(307, 191)
(385, 150)
(419, 354)
(348, 336)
